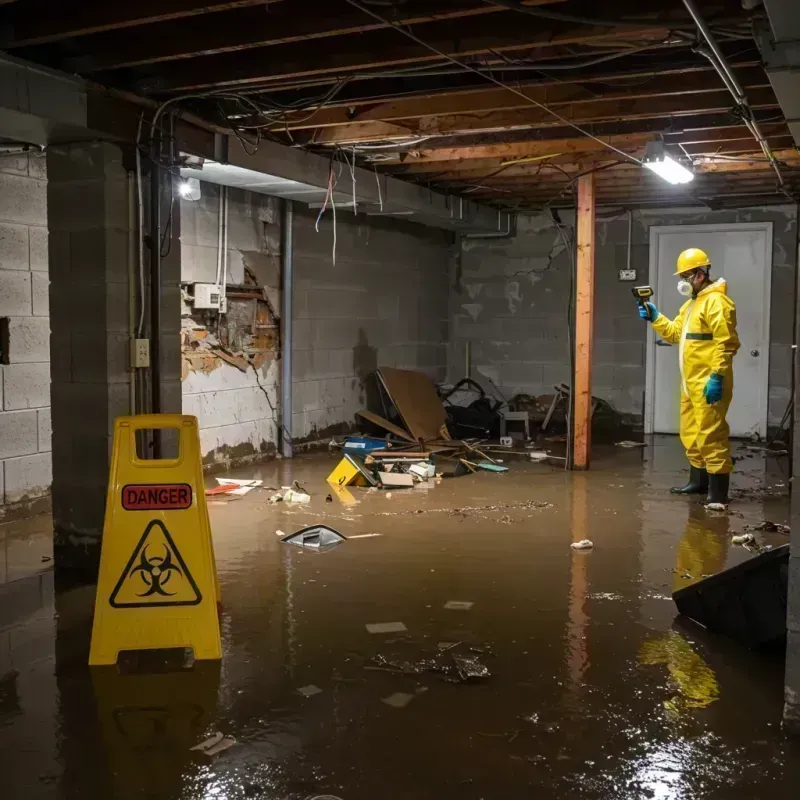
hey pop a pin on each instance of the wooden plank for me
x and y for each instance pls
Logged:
(45, 21)
(386, 425)
(603, 109)
(415, 398)
(584, 325)
(387, 48)
(259, 27)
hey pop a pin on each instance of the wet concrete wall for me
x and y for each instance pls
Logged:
(383, 303)
(25, 460)
(236, 408)
(509, 299)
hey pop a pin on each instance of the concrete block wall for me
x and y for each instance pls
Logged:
(383, 303)
(509, 300)
(25, 459)
(236, 410)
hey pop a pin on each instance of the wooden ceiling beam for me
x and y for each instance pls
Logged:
(259, 27)
(45, 21)
(584, 112)
(550, 92)
(388, 48)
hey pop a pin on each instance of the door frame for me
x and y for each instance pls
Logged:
(655, 232)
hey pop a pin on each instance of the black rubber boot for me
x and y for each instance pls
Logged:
(718, 486)
(698, 482)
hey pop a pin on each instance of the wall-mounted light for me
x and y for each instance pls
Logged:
(666, 167)
(189, 189)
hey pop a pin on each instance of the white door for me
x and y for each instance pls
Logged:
(742, 254)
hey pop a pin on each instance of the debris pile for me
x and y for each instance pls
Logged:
(418, 448)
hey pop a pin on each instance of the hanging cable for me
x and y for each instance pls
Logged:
(494, 80)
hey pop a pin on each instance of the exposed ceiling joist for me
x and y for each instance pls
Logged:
(257, 26)
(385, 48)
(43, 21)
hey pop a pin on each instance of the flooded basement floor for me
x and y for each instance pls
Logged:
(594, 690)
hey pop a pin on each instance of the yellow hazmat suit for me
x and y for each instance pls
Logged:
(705, 328)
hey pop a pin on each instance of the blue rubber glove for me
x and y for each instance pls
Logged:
(649, 312)
(712, 391)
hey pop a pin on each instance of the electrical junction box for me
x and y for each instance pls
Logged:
(627, 274)
(140, 353)
(207, 295)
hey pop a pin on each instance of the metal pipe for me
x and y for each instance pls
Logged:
(287, 287)
(720, 64)
(630, 237)
(155, 294)
(132, 266)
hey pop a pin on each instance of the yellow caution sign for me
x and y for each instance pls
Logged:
(158, 584)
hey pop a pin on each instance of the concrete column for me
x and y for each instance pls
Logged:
(791, 709)
(89, 347)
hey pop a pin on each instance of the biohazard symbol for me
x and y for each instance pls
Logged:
(155, 575)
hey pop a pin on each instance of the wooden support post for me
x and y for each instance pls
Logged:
(584, 325)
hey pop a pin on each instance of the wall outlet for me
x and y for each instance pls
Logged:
(140, 352)
(627, 274)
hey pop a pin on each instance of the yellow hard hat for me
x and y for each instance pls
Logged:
(692, 259)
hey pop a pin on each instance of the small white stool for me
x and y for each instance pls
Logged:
(515, 416)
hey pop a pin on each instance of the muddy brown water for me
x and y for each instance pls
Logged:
(594, 691)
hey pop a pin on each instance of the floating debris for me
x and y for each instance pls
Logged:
(363, 536)
(769, 527)
(317, 537)
(470, 668)
(630, 444)
(309, 691)
(386, 627)
(294, 496)
(458, 605)
(216, 743)
(716, 506)
(745, 538)
(398, 699)
(583, 544)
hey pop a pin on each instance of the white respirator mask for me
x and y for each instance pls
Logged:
(684, 288)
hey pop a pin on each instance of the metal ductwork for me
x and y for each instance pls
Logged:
(778, 38)
(296, 174)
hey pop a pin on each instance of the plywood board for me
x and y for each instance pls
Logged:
(386, 425)
(415, 398)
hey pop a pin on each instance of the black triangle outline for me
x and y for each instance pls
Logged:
(131, 560)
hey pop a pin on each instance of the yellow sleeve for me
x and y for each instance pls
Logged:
(720, 314)
(670, 329)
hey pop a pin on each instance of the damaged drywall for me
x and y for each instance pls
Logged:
(230, 360)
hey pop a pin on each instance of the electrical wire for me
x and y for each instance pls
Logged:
(557, 16)
(494, 80)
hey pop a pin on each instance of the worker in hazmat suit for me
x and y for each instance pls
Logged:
(705, 329)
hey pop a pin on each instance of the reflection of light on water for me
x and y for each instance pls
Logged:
(661, 773)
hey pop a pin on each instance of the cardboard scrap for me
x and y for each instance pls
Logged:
(398, 699)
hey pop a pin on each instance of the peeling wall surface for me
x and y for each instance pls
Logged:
(509, 299)
(383, 303)
(236, 409)
(25, 459)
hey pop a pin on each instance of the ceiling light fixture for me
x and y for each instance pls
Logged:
(189, 189)
(666, 167)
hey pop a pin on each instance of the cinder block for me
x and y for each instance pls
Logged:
(37, 166)
(28, 476)
(14, 164)
(14, 247)
(198, 263)
(29, 340)
(39, 245)
(23, 199)
(18, 433)
(40, 293)
(26, 386)
(254, 404)
(15, 294)
(45, 434)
